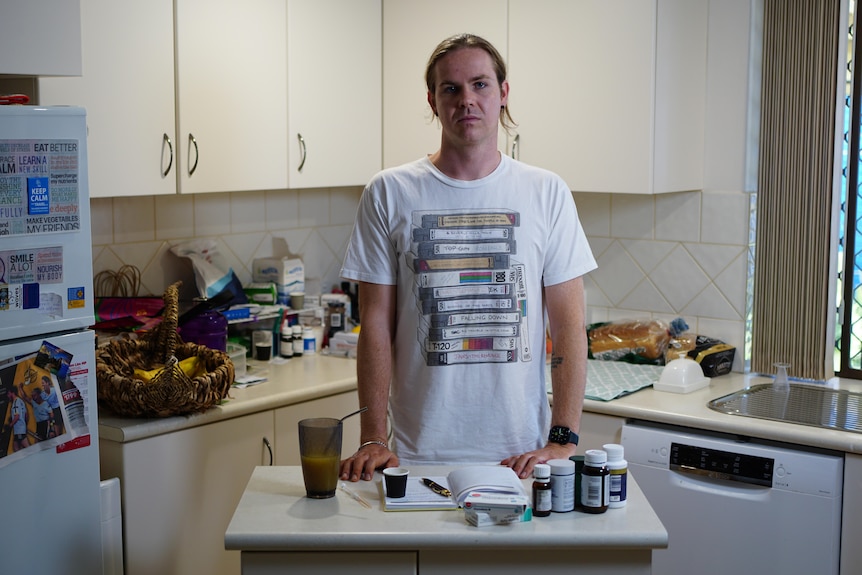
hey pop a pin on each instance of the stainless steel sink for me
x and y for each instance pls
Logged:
(801, 403)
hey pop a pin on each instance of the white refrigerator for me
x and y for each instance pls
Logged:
(49, 448)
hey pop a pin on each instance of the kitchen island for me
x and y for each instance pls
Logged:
(276, 527)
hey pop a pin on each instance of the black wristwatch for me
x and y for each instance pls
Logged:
(562, 435)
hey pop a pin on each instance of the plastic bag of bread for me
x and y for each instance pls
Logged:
(633, 341)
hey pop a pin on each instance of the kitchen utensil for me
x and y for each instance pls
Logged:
(358, 411)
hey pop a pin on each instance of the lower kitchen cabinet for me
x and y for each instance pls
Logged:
(179, 492)
(307, 563)
(180, 489)
(598, 429)
(287, 431)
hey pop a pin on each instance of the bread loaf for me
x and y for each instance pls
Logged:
(627, 340)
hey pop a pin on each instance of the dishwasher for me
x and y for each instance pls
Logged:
(733, 505)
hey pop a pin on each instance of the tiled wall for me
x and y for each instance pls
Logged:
(666, 256)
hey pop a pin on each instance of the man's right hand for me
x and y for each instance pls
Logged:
(363, 463)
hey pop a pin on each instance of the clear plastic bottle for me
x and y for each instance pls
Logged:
(562, 485)
(541, 490)
(594, 482)
(618, 475)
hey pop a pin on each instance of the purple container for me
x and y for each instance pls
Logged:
(208, 329)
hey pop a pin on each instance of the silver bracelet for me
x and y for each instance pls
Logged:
(374, 442)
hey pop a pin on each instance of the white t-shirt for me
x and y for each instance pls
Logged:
(469, 259)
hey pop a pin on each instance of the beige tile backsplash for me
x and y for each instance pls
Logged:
(666, 256)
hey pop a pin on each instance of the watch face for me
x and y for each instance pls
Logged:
(559, 435)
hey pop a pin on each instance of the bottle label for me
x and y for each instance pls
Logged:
(617, 491)
(562, 493)
(543, 500)
(594, 491)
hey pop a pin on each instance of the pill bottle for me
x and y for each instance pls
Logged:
(579, 467)
(285, 348)
(594, 482)
(297, 340)
(562, 485)
(309, 342)
(541, 490)
(618, 468)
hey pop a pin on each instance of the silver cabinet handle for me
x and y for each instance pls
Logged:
(269, 448)
(193, 142)
(301, 151)
(167, 140)
(515, 149)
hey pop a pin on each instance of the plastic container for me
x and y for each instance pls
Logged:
(237, 354)
(208, 329)
(618, 475)
(562, 485)
(542, 490)
(309, 342)
(594, 482)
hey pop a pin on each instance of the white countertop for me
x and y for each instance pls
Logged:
(293, 381)
(275, 515)
(691, 410)
(315, 376)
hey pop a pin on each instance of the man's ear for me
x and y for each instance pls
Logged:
(432, 104)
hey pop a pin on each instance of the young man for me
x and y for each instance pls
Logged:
(459, 255)
(17, 419)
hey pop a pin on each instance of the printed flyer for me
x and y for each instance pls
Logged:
(40, 405)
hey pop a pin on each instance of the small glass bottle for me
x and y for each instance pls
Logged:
(618, 475)
(594, 482)
(297, 340)
(562, 485)
(541, 490)
(286, 344)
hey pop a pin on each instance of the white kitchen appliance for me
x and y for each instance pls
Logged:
(50, 481)
(732, 505)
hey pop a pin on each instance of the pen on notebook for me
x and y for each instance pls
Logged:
(436, 487)
(355, 496)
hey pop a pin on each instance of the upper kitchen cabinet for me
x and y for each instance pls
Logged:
(229, 86)
(411, 31)
(611, 95)
(127, 88)
(40, 38)
(334, 92)
(231, 95)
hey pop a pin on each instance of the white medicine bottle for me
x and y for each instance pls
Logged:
(618, 476)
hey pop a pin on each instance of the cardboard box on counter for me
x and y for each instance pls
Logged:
(287, 274)
(481, 509)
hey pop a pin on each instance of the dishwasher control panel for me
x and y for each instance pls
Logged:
(726, 457)
(721, 464)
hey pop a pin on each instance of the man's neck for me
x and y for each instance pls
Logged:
(466, 164)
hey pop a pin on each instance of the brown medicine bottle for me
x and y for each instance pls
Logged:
(541, 490)
(595, 484)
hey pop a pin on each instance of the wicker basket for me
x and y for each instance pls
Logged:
(171, 391)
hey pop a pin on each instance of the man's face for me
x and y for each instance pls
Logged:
(467, 97)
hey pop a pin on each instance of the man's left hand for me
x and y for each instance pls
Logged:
(523, 464)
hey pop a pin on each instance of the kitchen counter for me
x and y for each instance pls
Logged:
(288, 383)
(691, 410)
(275, 523)
(311, 377)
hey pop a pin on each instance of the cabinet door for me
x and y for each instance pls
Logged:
(411, 31)
(231, 89)
(610, 95)
(334, 85)
(127, 87)
(287, 418)
(40, 37)
(179, 492)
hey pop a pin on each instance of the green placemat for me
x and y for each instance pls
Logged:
(607, 380)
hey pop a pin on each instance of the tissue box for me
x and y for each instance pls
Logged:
(481, 509)
(287, 274)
